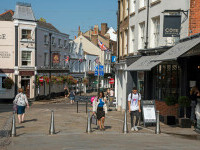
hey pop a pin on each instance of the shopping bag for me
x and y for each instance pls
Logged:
(94, 119)
(15, 108)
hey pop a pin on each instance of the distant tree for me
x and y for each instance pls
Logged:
(42, 19)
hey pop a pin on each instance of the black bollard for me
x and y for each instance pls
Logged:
(77, 106)
(86, 106)
(52, 127)
(13, 128)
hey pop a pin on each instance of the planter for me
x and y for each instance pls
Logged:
(184, 123)
(170, 120)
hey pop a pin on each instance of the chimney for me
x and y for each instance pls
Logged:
(94, 39)
(96, 30)
(104, 28)
(79, 31)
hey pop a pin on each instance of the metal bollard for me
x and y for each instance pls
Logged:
(157, 130)
(125, 126)
(77, 105)
(52, 127)
(13, 129)
(88, 129)
(86, 106)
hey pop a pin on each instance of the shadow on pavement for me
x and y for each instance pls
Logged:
(30, 120)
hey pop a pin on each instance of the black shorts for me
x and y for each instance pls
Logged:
(100, 113)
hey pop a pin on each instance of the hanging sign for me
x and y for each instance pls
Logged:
(172, 26)
(56, 58)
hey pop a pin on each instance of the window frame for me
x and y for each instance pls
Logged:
(26, 34)
(30, 61)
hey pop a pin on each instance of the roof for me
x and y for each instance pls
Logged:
(144, 63)
(23, 11)
(47, 26)
(86, 53)
(7, 16)
(179, 49)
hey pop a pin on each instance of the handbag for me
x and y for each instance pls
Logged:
(105, 108)
(94, 119)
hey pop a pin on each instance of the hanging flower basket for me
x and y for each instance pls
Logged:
(53, 79)
(46, 79)
(8, 83)
(85, 81)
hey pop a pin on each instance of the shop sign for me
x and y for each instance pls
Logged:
(172, 26)
(113, 59)
(149, 111)
(4, 54)
(2, 36)
(26, 73)
(56, 58)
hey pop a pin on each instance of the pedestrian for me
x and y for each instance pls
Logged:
(194, 93)
(21, 102)
(108, 96)
(111, 95)
(72, 96)
(100, 108)
(134, 107)
(66, 91)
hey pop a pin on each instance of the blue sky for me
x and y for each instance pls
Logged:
(67, 15)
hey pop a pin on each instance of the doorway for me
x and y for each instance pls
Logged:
(25, 85)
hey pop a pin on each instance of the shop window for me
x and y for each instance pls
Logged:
(26, 58)
(140, 85)
(2, 84)
(166, 81)
(26, 34)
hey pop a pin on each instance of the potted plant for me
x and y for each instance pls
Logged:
(8, 83)
(184, 102)
(170, 119)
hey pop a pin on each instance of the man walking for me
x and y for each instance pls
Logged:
(134, 107)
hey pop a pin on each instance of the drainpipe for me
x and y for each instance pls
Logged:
(118, 27)
(147, 29)
(35, 62)
(16, 59)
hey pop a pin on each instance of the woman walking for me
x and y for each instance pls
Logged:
(66, 91)
(21, 102)
(99, 107)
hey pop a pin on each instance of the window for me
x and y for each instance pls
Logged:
(26, 34)
(132, 42)
(46, 58)
(156, 31)
(120, 54)
(2, 84)
(125, 42)
(26, 58)
(121, 10)
(53, 40)
(142, 3)
(45, 39)
(141, 35)
(65, 43)
(132, 6)
(59, 42)
(126, 8)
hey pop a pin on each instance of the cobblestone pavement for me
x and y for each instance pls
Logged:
(71, 131)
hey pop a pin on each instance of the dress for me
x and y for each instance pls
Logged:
(100, 111)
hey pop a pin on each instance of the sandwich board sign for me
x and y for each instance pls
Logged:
(149, 111)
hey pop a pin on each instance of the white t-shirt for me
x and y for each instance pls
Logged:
(111, 93)
(134, 101)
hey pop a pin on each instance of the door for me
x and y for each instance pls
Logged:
(25, 84)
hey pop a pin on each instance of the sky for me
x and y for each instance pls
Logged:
(67, 15)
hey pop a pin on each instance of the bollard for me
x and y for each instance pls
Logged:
(88, 129)
(77, 105)
(86, 106)
(52, 127)
(157, 130)
(125, 126)
(13, 129)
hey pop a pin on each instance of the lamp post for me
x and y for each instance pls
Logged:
(50, 65)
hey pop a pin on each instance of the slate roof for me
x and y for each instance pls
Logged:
(23, 11)
(7, 16)
(47, 26)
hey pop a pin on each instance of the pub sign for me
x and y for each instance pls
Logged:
(172, 26)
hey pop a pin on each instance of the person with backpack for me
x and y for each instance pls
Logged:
(21, 102)
(134, 107)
